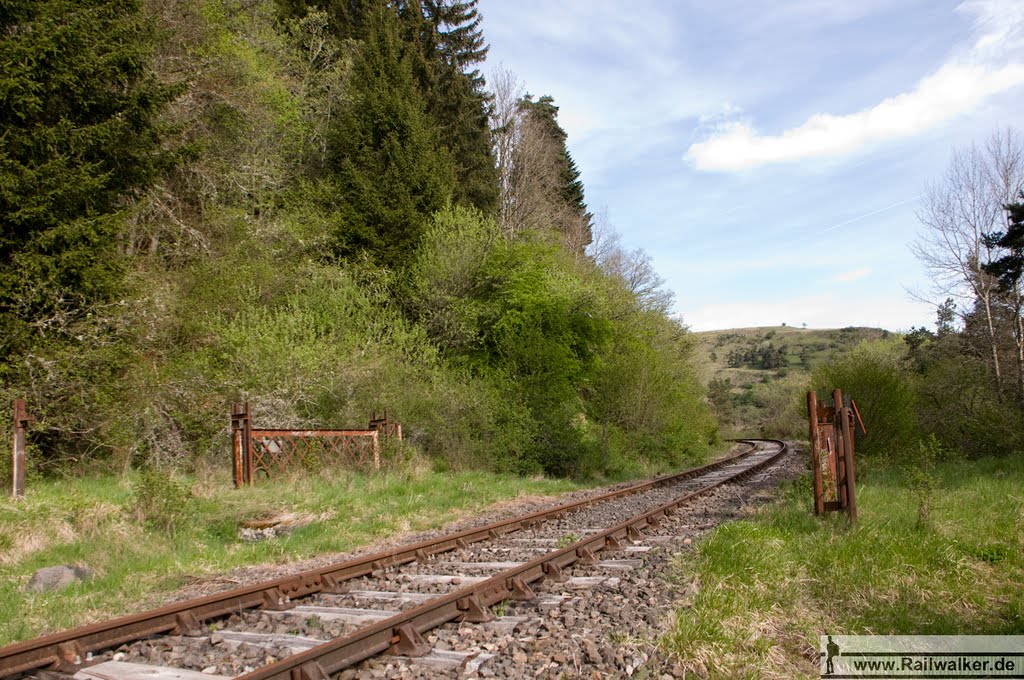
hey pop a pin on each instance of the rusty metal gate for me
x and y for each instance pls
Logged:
(832, 430)
(265, 453)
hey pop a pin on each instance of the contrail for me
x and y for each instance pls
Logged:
(868, 214)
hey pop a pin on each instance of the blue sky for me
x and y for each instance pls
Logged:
(770, 156)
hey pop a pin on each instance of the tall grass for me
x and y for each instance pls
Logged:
(762, 590)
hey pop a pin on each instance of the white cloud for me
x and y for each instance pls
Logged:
(991, 65)
(852, 275)
(817, 311)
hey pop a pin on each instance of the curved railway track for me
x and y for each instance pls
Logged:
(383, 602)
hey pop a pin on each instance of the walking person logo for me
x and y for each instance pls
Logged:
(832, 651)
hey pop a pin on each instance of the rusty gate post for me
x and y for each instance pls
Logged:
(241, 440)
(851, 490)
(837, 409)
(18, 460)
(819, 494)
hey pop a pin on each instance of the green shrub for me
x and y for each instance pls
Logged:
(161, 500)
(874, 375)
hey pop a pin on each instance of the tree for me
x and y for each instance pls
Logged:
(455, 91)
(634, 269)
(392, 171)
(349, 19)
(539, 183)
(542, 121)
(1008, 270)
(80, 139)
(958, 215)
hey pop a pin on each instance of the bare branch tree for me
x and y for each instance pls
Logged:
(634, 269)
(958, 214)
(530, 166)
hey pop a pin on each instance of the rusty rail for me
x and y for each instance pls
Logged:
(403, 632)
(67, 650)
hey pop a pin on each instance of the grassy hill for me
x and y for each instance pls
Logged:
(756, 377)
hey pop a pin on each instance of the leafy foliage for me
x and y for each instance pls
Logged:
(875, 375)
(325, 249)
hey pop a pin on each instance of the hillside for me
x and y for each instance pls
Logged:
(315, 208)
(756, 376)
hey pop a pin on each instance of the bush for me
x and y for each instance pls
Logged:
(875, 376)
(161, 500)
(961, 406)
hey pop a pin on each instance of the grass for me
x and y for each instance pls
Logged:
(761, 591)
(96, 522)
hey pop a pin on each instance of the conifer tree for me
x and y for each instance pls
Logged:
(349, 19)
(392, 171)
(453, 44)
(79, 138)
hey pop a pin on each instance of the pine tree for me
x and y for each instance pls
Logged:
(79, 139)
(349, 19)
(1010, 267)
(453, 44)
(392, 171)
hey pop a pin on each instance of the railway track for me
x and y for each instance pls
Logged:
(316, 623)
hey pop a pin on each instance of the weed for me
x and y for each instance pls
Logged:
(920, 472)
(161, 500)
(567, 540)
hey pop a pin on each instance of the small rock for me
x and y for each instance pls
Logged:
(52, 578)
(210, 670)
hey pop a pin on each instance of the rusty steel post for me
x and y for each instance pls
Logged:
(837, 409)
(819, 493)
(21, 420)
(236, 443)
(850, 485)
(247, 437)
(241, 441)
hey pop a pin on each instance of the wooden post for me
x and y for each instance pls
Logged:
(21, 420)
(812, 411)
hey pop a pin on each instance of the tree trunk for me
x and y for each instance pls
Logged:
(992, 339)
(1018, 336)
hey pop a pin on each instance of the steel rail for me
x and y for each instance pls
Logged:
(402, 632)
(69, 649)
